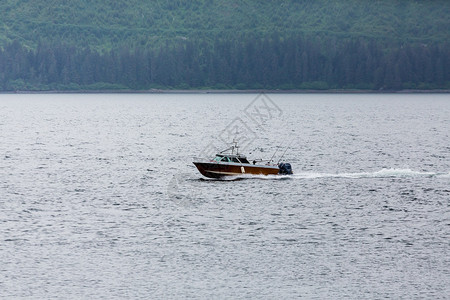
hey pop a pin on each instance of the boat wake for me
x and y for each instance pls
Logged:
(383, 173)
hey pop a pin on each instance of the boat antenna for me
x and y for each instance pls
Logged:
(284, 152)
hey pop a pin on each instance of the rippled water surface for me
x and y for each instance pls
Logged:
(99, 197)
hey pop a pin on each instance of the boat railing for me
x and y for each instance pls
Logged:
(267, 162)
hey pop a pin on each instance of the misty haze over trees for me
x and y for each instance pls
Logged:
(217, 44)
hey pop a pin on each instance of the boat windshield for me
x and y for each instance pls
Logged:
(221, 158)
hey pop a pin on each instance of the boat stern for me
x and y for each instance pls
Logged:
(285, 169)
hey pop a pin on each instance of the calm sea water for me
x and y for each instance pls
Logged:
(99, 198)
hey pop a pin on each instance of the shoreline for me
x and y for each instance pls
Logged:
(213, 91)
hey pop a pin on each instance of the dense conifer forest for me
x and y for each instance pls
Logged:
(201, 44)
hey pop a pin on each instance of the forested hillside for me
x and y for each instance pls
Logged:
(303, 44)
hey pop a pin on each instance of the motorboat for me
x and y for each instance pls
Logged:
(235, 164)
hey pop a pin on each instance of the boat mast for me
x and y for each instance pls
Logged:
(235, 146)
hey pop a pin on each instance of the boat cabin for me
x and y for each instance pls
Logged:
(226, 158)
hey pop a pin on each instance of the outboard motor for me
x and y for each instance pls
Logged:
(285, 169)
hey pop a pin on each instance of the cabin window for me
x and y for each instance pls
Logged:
(243, 160)
(225, 159)
(234, 159)
(217, 158)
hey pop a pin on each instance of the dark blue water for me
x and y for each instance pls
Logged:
(99, 198)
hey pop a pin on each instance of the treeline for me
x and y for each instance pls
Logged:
(285, 44)
(295, 62)
(105, 24)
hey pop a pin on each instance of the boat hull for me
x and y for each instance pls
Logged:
(219, 170)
